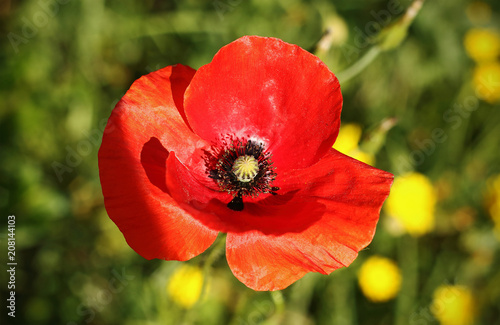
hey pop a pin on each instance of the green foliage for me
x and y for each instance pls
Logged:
(65, 64)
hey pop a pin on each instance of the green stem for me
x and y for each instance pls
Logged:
(278, 317)
(279, 301)
(408, 257)
(215, 253)
(359, 65)
(344, 304)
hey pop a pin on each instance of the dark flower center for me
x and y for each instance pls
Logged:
(243, 169)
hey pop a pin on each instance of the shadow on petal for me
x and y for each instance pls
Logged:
(268, 214)
(274, 215)
(178, 84)
(154, 161)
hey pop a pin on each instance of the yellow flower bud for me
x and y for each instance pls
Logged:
(482, 45)
(379, 279)
(347, 143)
(492, 197)
(486, 81)
(453, 305)
(411, 203)
(184, 287)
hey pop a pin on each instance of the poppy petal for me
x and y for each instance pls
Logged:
(271, 215)
(352, 191)
(264, 88)
(143, 129)
(353, 194)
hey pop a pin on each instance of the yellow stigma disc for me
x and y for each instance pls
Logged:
(245, 168)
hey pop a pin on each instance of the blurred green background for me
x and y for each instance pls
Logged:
(426, 110)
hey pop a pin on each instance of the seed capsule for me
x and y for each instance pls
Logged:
(245, 168)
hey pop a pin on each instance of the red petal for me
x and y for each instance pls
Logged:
(145, 126)
(271, 215)
(267, 89)
(352, 194)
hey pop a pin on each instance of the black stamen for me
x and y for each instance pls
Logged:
(236, 204)
(220, 168)
(273, 190)
(213, 174)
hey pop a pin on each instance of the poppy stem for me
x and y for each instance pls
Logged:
(359, 65)
(389, 38)
(278, 317)
(216, 252)
(279, 301)
(342, 287)
(408, 257)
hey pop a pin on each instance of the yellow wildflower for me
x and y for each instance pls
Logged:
(184, 287)
(363, 156)
(482, 45)
(493, 201)
(349, 136)
(379, 279)
(453, 305)
(347, 143)
(486, 81)
(411, 203)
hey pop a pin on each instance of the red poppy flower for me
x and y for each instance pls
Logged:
(241, 146)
